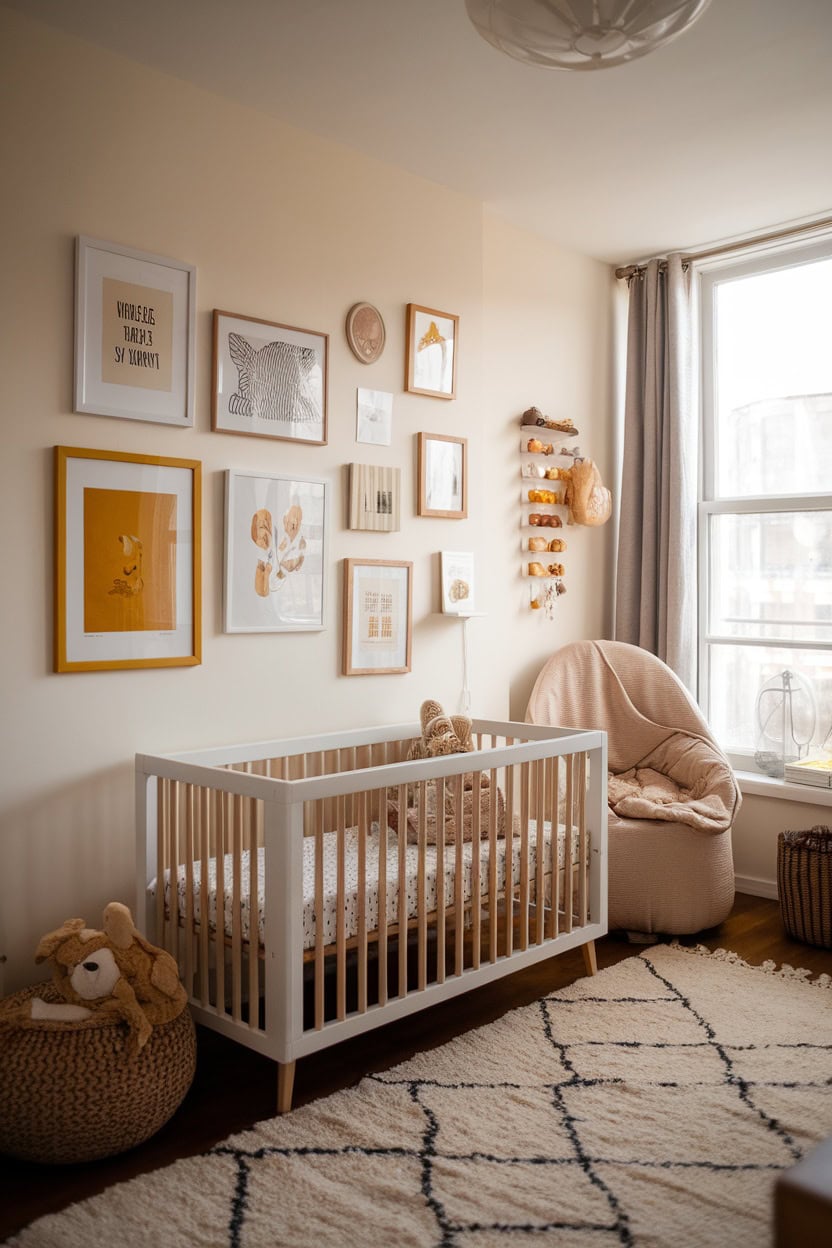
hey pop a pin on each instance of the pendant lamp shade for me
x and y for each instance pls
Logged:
(581, 34)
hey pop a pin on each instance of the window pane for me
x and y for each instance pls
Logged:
(771, 575)
(736, 676)
(774, 382)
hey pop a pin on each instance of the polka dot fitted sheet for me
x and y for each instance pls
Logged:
(351, 880)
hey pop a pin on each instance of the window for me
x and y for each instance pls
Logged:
(765, 520)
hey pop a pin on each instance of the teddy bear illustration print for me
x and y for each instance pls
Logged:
(283, 553)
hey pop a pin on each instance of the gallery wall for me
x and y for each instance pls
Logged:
(284, 226)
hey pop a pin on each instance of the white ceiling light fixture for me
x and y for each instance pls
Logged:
(581, 34)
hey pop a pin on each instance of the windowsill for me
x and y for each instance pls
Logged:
(766, 786)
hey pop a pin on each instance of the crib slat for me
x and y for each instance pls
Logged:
(493, 923)
(524, 856)
(253, 915)
(162, 833)
(567, 847)
(236, 909)
(221, 799)
(340, 923)
(476, 884)
(538, 850)
(552, 915)
(381, 893)
(509, 858)
(440, 878)
(421, 910)
(173, 867)
(401, 908)
(363, 799)
(188, 938)
(582, 839)
(200, 809)
(319, 914)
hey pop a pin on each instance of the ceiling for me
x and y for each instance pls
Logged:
(724, 132)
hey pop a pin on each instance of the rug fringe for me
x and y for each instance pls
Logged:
(768, 968)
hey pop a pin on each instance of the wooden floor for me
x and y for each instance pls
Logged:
(235, 1088)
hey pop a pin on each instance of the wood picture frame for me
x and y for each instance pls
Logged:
(127, 560)
(269, 379)
(432, 350)
(135, 334)
(375, 497)
(378, 617)
(276, 535)
(443, 476)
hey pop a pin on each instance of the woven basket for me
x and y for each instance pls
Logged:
(72, 1092)
(804, 881)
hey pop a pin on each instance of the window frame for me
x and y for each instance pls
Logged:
(710, 276)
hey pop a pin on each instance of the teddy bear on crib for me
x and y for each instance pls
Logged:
(114, 971)
(441, 733)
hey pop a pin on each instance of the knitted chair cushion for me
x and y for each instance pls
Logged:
(72, 1092)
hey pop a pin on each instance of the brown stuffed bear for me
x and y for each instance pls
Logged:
(588, 499)
(114, 971)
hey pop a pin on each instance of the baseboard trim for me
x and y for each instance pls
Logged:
(755, 887)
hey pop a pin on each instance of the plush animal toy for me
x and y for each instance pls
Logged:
(114, 971)
(588, 499)
(441, 733)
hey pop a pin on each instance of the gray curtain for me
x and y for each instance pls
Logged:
(655, 600)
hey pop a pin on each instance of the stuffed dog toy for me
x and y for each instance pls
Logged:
(114, 971)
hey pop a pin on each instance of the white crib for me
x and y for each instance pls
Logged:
(314, 888)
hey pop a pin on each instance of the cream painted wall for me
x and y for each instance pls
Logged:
(290, 228)
(755, 833)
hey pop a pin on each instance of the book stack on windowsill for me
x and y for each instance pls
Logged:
(814, 771)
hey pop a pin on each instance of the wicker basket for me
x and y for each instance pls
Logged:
(804, 881)
(73, 1092)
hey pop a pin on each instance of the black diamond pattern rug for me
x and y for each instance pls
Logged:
(652, 1105)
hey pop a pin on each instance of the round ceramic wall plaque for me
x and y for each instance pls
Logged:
(365, 332)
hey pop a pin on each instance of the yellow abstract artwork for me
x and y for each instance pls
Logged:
(129, 561)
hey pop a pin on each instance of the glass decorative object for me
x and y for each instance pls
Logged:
(581, 34)
(786, 721)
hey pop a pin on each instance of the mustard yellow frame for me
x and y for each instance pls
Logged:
(62, 537)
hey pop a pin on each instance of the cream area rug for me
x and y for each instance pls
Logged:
(652, 1105)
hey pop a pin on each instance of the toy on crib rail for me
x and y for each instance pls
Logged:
(115, 971)
(441, 733)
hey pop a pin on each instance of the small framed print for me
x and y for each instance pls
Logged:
(443, 476)
(457, 582)
(378, 617)
(375, 497)
(374, 417)
(432, 347)
(127, 560)
(270, 380)
(135, 317)
(275, 553)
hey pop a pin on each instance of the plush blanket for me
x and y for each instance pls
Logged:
(664, 763)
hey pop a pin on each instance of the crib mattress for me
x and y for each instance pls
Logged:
(352, 883)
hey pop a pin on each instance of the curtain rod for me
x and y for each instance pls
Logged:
(629, 270)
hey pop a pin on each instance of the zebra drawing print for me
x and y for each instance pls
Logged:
(273, 382)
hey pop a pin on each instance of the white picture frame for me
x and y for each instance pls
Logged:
(135, 334)
(276, 535)
(374, 417)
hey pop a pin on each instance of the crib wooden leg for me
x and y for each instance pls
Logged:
(285, 1084)
(590, 961)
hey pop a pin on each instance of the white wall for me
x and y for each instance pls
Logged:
(287, 227)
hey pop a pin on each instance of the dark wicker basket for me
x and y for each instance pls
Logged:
(804, 882)
(73, 1092)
